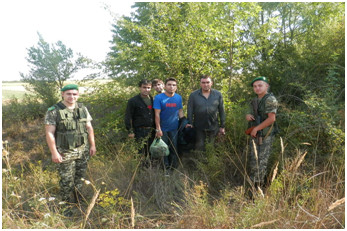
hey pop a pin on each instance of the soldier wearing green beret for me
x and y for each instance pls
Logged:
(262, 128)
(70, 138)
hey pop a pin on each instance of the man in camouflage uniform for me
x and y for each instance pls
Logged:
(70, 138)
(262, 117)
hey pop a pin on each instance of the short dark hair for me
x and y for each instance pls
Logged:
(170, 79)
(145, 82)
(155, 81)
(205, 77)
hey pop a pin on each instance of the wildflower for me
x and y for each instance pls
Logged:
(86, 181)
(62, 202)
(51, 198)
(42, 199)
(14, 195)
(103, 183)
(4, 170)
(46, 215)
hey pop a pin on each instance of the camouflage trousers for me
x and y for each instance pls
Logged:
(258, 161)
(71, 172)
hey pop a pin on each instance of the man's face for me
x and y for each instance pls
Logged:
(70, 96)
(145, 89)
(260, 87)
(158, 87)
(171, 87)
(206, 84)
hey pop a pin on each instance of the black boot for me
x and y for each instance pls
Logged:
(78, 198)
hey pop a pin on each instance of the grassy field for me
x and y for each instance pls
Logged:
(14, 89)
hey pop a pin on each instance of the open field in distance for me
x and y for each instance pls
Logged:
(16, 89)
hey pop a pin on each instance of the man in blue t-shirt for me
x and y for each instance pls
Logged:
(168, 110)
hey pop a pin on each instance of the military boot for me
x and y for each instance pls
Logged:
(78, 198)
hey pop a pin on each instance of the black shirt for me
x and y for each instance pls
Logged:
(203, 113)
(138, 113)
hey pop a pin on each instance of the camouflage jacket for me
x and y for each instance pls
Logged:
(53, 117)
(267, 104)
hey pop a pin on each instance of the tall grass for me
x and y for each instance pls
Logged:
(121, 193)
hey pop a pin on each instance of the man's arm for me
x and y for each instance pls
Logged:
(270, 120)
(92, 148)
(50, 130)
(190, 111)
(221, 116)
(159, 133)
(128, 119)
(180, 113)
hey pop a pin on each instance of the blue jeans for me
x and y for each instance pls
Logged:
(170, 138)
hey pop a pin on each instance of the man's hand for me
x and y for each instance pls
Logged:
(221, 131)
(92, 150)
(189, 126)
(254, 132)
(159, 133)
(57, 158)
(250, 117)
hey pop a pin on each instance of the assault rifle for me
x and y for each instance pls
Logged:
(259, 133)
(256, 122)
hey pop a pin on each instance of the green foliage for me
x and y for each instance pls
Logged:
(29, 108)
(50, 67)
(288, 42)
(181, 40)
(107, 103)
(114, 204)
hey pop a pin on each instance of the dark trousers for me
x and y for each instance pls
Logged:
(170, 138)
(201, 136)
(144, 136)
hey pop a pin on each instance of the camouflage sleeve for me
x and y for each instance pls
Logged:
(51, 117)
(271, 104)
(89, 117)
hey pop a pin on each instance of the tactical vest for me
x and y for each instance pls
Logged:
(71, 131)
(264, 116)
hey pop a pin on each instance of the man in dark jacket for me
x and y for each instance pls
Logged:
(139, 116)
(204, 107)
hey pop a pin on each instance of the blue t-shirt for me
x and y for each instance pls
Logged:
(169, 107)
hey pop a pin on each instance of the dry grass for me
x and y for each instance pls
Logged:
(147, 199)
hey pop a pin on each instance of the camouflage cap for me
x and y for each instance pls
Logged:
(70, 87)
(262, 78)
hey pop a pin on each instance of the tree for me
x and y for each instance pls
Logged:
(181, 40)
(50, 67)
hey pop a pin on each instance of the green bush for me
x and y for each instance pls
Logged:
(29, 108)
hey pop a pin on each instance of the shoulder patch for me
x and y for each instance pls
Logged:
(51, 108)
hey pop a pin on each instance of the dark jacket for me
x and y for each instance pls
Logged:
(203, 113)
(138, 114)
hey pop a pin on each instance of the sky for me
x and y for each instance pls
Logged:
(82, 25)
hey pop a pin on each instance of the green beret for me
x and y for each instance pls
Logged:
(262, 78)
(70, 87)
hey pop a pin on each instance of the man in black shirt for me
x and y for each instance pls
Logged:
(204, 106)
(139, 117)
